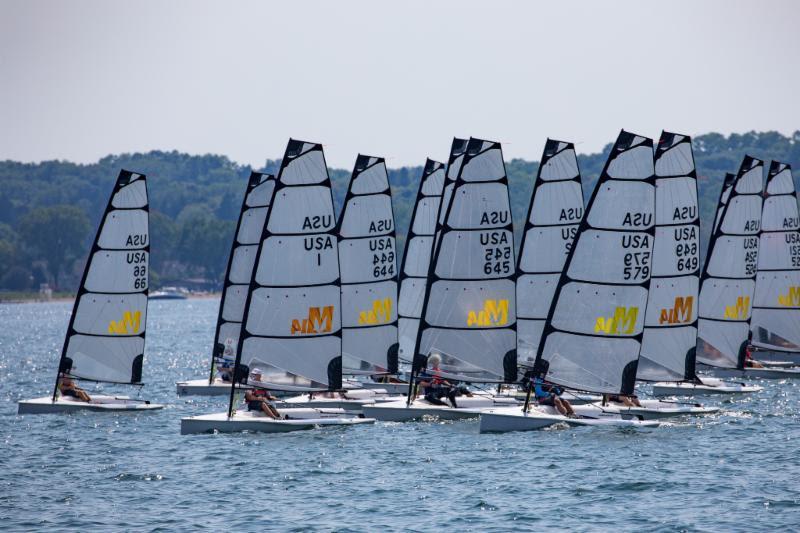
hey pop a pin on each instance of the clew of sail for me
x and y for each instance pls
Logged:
(252, 217)
(417, 256)
(593, 332)
(775, 324)
(292, 323)
(554, 213)
(105, 339)
(670, 332)
(727, 282)
(469, 311)
(367, 252)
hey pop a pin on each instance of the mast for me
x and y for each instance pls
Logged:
(593, 332)
(106, 334)
(291, 334)
(469, 310)
(670, 331)
(252, 216)
(417, 255)
(727, 282)
(554, 213)
(775, 324)
(367, 251)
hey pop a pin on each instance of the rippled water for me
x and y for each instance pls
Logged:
(738, 470)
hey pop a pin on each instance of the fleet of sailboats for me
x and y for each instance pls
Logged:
(599, 298)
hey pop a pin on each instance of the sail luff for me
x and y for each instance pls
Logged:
(594, 327)
(252, 216)
(111, 349)
(727, 281)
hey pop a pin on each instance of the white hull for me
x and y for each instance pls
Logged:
(353, 400)
(769, 355)
(650, 410)
(390, 388)
(513, 419)
(710, 386)
(754, 373)
(299, 419)
(201, 387)
(468, 407)
(67, 404)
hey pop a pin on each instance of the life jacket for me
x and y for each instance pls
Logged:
(436, 379)
(260, 393)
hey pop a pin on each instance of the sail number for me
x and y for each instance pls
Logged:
(750, 245)
(382, 257)
(636, 264)
(496, 253)
(686, 248)
(139, 262)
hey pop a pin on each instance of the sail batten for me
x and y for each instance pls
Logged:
(554, 213)
(775, 323)
(367, 251)
(239, 271)
(727, 282)
(106, 335)
(291, 334)
(469, 309)
(592, 336)
(670, 332)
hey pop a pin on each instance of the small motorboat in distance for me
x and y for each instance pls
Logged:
(169, 293)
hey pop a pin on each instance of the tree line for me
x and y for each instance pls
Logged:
(49, 210)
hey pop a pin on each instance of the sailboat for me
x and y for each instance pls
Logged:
(252, 216)
(106, 335)
(592, 335)
(775, 323)
(468, 315)
(729, 279)
(291, 329)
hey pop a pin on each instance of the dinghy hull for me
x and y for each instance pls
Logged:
(299, 419)
(201, 387)
(513, 419)
(114, 404)
(717, 387)
(419, 409)
(650, 410)
(755, 373)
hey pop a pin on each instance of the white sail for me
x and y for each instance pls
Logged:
(239, 272)
(727, 283)
(367, 252)
(593, 332)
(417, 256)
(724, 194)
(292, 322)
(469, 312)
(105, 340)
(457, 150)
(554, 213)
(670, 332)
(776, 306)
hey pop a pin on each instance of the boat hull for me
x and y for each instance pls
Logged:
(468, 408)
(113, 404)
(709, 387)
(755, 373)
(299, 419)
(650, 410)
(390, 388)
(513, 419)
(201, 387)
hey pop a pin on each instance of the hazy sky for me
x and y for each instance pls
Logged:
(82, 79)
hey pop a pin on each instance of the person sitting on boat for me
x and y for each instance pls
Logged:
(226, 371)
(749, 362)
(435, 387)
(67, 387)
(549, 394)
(260, 400)
(626, 400)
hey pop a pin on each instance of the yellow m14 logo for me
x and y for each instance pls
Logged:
(494, 313)
(738, 311)
(317, 318)
(681, 312)
(790, 300)
(381, 313)
(129, 325)
(622, 323)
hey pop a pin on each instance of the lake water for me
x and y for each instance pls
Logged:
(734, 471)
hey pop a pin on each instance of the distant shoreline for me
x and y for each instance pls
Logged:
(35, 297)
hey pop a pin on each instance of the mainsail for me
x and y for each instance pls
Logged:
(724, 194)
(417, 256)
(776, 306)
(594, 327)
(105, 339)
(469, 311)
(457, 150)
(291, 338)
(367, 253)
(670, 332)
(727, 283)
(239, 272)
(555, 211)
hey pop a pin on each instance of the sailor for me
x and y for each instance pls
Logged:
(67, 387)
(226, 371)
(435, 387)
(261, 400)
(548, 394)
(749, 362)
(628, 401)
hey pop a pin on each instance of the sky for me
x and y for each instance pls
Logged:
(83, 79)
